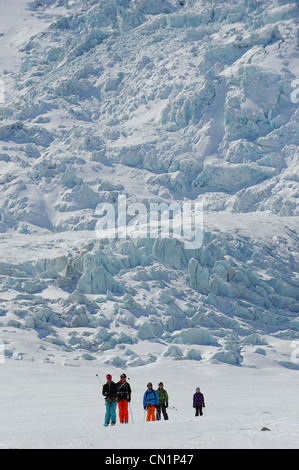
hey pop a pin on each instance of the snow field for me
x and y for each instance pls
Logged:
(52, 406)
(163, 101)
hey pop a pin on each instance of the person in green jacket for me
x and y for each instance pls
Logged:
(163, 402)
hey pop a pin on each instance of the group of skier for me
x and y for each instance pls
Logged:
(155, 402)
(114, 394)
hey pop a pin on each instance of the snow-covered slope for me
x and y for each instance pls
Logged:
(161, 101)
(46, 406)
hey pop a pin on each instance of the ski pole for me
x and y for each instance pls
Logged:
(131, 413)
(99, 380)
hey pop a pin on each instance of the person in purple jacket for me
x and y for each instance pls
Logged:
(198, 402)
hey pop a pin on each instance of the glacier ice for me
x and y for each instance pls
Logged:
(159, 100)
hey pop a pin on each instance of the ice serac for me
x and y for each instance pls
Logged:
(161, 101)
(96, 281)
(199, 276)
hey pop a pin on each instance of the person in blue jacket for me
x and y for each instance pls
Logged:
(150, 402)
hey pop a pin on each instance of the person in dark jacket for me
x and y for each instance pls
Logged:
(123, 398)
(110, 394)
(198, 402)
(163, 402)
(150, 402)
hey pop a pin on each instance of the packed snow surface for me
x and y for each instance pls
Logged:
(46, 406)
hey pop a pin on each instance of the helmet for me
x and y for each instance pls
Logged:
(123, 376)
(109, 377)
(161, 383)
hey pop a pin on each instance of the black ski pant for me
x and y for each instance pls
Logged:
(198, 410)
(161, 408)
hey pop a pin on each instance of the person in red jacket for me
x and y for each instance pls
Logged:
(123, 398)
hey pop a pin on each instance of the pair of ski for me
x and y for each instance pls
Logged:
(112, 424)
